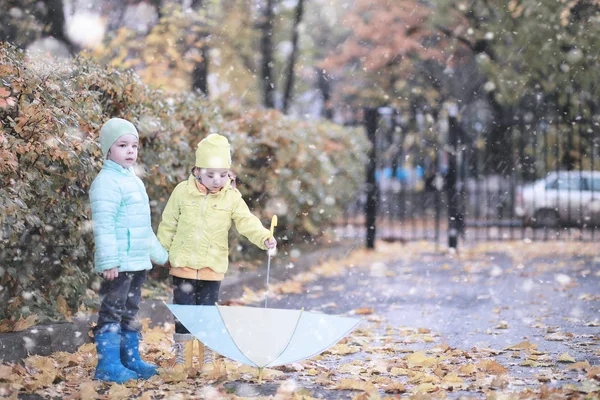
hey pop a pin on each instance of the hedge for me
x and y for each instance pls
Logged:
(50, 115)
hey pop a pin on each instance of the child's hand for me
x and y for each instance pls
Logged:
(271, 243)
(110, 274)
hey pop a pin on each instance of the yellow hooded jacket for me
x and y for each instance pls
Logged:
(195, 226)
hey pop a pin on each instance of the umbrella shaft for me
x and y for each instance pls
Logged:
(268, 272)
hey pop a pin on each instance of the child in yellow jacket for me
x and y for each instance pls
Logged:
(194, 230)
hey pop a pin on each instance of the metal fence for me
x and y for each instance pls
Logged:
(432, 180)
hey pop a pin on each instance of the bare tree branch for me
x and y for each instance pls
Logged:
(480, 46)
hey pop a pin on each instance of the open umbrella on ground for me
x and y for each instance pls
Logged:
(263, 337)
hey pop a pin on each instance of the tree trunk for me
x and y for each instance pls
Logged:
(56, 21)
(325, 88)
(266, 47)
(200, 72)
(499, 141)
(289, 86)
(157, 4)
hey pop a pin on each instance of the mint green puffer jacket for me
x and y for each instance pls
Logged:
(121, 216)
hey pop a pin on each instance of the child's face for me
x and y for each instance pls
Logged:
(213, 178)
(124, 151)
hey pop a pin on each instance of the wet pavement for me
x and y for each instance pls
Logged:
(486, 301)
(477, 301)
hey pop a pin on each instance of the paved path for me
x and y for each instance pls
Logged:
(489, 301)
(483, 300)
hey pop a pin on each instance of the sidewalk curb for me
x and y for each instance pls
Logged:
(44, 340)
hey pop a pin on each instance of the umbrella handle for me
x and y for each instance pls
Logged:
(273, 225)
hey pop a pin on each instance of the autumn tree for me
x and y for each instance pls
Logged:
(385, 43)
(322, 35)
(539, 62)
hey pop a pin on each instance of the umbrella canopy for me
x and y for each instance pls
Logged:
(263, 337)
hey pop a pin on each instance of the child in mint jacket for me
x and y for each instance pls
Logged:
(194, 229)
(125, 246)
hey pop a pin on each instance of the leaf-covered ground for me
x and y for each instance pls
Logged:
(383, 358)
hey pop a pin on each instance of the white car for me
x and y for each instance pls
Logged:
(562, 198)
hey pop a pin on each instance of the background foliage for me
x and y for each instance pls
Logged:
(50, 115)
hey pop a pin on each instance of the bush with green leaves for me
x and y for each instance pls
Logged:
(50, 116)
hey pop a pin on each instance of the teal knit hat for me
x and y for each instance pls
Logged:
(113, 129)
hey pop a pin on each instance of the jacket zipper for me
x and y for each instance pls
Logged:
(195, 259)
(203, 219)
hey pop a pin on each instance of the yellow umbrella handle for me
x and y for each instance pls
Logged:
(273, 225)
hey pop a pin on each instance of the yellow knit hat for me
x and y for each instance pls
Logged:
(213, 152)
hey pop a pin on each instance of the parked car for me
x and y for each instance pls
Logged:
(561, 198)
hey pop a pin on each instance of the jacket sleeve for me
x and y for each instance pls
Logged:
(157, 253)
(105, 200)
(249, 225)
(170, 218)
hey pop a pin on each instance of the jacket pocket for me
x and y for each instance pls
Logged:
(176, 245)
(219, 218)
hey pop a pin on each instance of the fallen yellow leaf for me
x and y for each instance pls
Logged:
(419, 378)
(174, 374)
(87, 390)
(468, 369)
(24, 323)
(395, 371)
(119, 392)
(523, 346)
(354, 384)
(427, 388)
(5, 372)
(535, 364)
(40, 363)
(350, 369)
(395, 387)
(63, 308)
(566, 358)
(502, 325)
(594, 373)
(453, 382)
(492, 367)
(289, 287)
(145, 396)
(419, 359)
(585, 365)
(343, 349)
(559, 336)
(219, 371)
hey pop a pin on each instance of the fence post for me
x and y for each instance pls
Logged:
(451, 178)
(371, 115)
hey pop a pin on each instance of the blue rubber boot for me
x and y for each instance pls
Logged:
(110, 368)
(130, 355)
